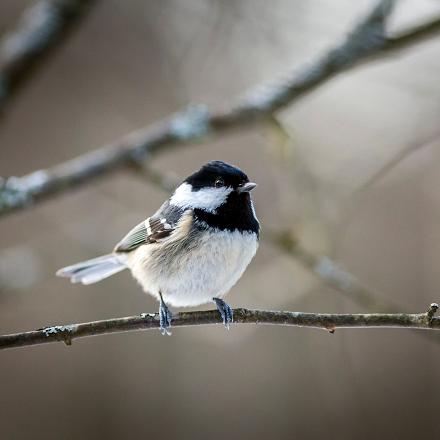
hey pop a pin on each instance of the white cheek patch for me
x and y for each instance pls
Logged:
(208, 199)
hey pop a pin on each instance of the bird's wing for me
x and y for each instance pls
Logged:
(152, 230)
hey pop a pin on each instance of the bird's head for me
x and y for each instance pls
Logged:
(212, 186)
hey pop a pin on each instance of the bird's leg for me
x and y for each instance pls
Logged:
(225, 312)
(165, 317)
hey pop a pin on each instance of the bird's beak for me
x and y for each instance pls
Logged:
(246, 187)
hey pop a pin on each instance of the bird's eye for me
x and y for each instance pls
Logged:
(219, 182)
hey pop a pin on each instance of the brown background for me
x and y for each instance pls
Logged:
(132, 63)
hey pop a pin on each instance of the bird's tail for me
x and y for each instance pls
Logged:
(92, 271)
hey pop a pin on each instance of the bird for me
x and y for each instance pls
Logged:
(193, 250)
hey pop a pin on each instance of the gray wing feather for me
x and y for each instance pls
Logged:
(153, 229)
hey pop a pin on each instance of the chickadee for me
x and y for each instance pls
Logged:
(193, 249)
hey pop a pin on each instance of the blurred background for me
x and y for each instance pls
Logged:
(129, 64)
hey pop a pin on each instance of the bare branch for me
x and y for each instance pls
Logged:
(42, 27)
(365, 42)
(149, 321)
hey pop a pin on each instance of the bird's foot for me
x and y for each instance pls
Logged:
(165, 318)
(225, 312)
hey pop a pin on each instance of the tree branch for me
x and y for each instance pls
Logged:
(368, 40)
(149, 321)
(42, 27)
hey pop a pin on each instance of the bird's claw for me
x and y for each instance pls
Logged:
(225, 311)
(165, 318)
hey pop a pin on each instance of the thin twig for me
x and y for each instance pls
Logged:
(335, 276)
(395, 161)
(149, 321)
(331, 273)
(413, 35)
(41, 27)
(366, 41)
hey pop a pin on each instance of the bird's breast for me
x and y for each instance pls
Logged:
(190, 274)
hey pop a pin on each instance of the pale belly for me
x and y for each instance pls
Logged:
(196, 276)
